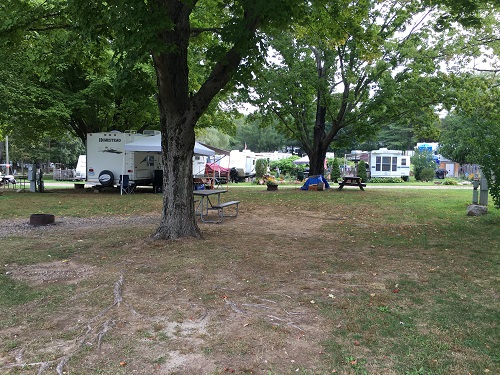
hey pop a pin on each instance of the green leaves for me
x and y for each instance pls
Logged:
(471, 133)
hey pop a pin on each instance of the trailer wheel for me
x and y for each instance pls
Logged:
(106, 178)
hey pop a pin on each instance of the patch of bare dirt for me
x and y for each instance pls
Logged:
(65, 271)
(240, 301)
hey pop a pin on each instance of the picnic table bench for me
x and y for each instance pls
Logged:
(351, 181)
(220, 207)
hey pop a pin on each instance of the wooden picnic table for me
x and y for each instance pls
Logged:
(351, 181)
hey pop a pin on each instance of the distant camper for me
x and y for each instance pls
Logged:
(81, 168)
(389, 163)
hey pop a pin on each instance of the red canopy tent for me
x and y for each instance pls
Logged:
(212, 169)
(221, 174)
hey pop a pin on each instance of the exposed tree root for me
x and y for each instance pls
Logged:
(274, 319)
(87, 338)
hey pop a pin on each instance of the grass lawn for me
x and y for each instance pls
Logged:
(381, 281)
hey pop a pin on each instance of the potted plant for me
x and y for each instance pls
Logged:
(271, 182)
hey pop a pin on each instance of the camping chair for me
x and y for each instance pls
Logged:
(125, 184)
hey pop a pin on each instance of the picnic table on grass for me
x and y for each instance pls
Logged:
(351, 181)
(205, 204)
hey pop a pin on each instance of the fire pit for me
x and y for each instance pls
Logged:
(42, 219)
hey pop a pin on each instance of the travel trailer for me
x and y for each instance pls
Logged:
(107, 159)
(111, 154)
(199, 164)
(388, 163)
(243, 162)
(81, 168)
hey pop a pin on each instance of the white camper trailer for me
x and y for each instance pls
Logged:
(389, 163)
(81, 168)
(112, 154)
(199, 163)
(244, 162)
(107, 159)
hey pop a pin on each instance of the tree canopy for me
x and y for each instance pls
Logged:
(350, 68)
(471, 132)
(54, 80)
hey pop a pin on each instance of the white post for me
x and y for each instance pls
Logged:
(7, 154)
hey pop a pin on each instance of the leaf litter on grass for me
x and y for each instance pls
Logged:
(241, 299)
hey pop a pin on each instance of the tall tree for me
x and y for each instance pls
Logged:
(471, 133)
(353, 67)
(196, 47)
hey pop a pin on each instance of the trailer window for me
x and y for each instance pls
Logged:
(386, 163)
(403, 161)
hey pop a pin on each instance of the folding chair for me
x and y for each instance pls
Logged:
(125, 184)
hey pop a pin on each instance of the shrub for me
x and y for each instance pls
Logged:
(422, 160)
(286, 166)
(335, 169)
(381, 180)
(260, 167)
(426, 174)
(449, 181)
(362, 171)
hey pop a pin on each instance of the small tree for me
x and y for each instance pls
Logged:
(260, 167)
(362, 171)
(335, 166)
(423, 165)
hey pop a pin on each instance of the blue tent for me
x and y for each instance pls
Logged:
(313, 180)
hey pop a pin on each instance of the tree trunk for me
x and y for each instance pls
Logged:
(178, 217)
(317, 162)
(318, 154)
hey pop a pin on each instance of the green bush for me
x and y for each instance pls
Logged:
(449, 181)
(335, 169)
(260, 167)
(381, 180)
(423, 161)
(362, 171)
(286, 166)
(427, 174)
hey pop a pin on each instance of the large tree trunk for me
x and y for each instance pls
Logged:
(318, 152)
(179, 113)
(178, 216)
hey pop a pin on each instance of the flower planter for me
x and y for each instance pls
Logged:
(272, 187)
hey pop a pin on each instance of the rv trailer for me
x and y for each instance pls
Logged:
(243, 162)
(389, 163)
(107, 159)
(111, 154)
(81, 168)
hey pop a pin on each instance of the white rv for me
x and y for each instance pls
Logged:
(107, 159)
(388, 163)
(244, 162)
(199, 163)
(81, 168)
(112, 154)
